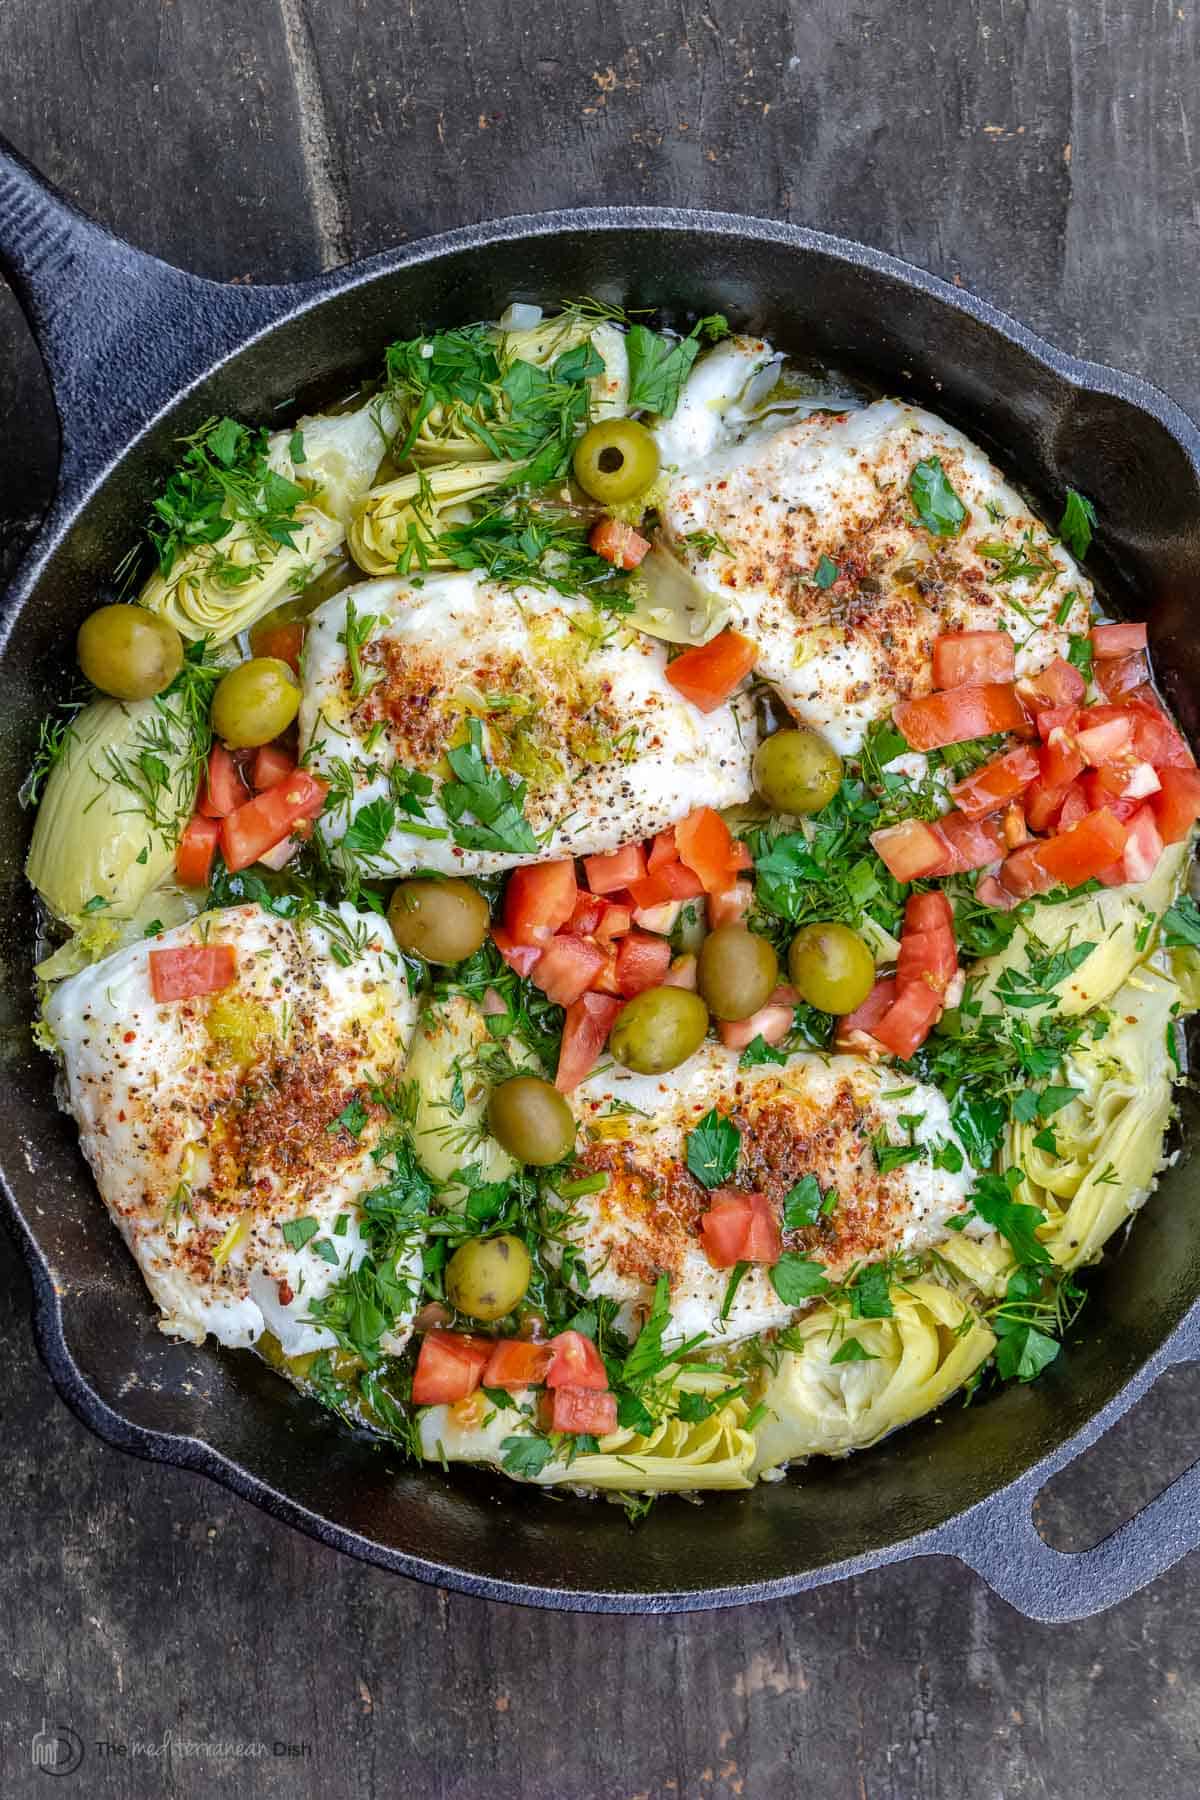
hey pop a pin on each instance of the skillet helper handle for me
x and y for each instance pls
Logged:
(1000, 1541)
(120, 332)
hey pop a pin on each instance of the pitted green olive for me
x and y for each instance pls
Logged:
(797, 771)
(255, 702)
(831, 967)
(532, 1120)
(486, 1277)
(615, 461)
(658, 1029)
(737, 971)
(443, 921)
(128, 652)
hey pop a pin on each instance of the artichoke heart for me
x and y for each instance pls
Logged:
(908, 1365)
(403, 517)
(112, 809)
(670, 603)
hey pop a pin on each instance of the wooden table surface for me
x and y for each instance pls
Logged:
(1043, 155)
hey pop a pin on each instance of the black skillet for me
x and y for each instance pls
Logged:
(138, 354)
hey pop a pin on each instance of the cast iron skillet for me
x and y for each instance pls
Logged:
(139, 353)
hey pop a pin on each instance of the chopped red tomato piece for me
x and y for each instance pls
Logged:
(927, 912)
(1075, 856)
(664, 849)
(1056, 718)
(517, 1363)
(618, 543)
(1176, 806)
(927, 956)
(267, 819)
(1103, 741)
(578, 1410)
(911, 850)
(567, 968)
(642, 962)
(1043, 804)
(1143, 847)
(1060, 683)
(771, 1022)
(1075, 806)
(880, 1000)
(740, 1227)
(192, 970)
(989, 893)
(575, 1362)
(961, 713)
(1155, 739)
(670, 881)
(539, 899)
(519, 957)
(969, 843)
(1117, 676)
(1060, 759)
(707, 847)
(660, 919)
(909, 1020)
(618, 869)
(605, 980)
(450, 1366)
(996, 783)
(967, 658)
(271, 765)
(709, 673)
(1097, 791)
(587, 914)
(585, 1033)
(1022, 873)
(195, 851)
(1118, 640)
(223, 790)
(731, 905)
(284, 641)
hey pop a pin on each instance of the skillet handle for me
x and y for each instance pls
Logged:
(1000, 1541)
(121, 333)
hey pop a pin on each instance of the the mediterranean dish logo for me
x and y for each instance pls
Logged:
(58, 1750)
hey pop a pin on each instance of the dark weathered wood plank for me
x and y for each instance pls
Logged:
(139, 1599)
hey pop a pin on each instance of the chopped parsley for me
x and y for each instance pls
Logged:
(224, 479)
(797, 1278)
(493, 799)
(713, 1147)
(938, 507)
(1077, 523)
(852, 1350)
(659, 366)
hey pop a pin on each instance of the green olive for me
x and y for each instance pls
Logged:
(658, 1029)
(533, 1122)
(128, 652)
(488, 1276)
(797, 771)
(737, 971)
(255, 702)
(831, 967)
(615, 460)
(443, 921)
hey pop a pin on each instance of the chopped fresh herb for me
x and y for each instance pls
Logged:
(713, 1148)
(870, 1293)
(96, 904)
(296, 1232)
(352, 1118)
(826, 572)
(1077, 523)
(357, 635)
(693, 1409)
(803, 1205)
(1046, 1141)
(758, 1052)
(948, 1156)
(852, 1350)
(703, 543)
(296, 448)
(1080, 654)
(223, 480)
(646, 1358)
(526, 1456)
(736, 1276)
(1017, 1223)
(659, 366)
(889, 1156)
(938, 506)
(633, 1414)
(1035, 985)
(1022, 1351)
(327, 1251)
(493, 798)
(797, 1278)
(370, 828)
(1181, 925)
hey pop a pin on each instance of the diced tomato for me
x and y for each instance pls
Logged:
(1056, 718)
(1098, 792)
(663, 849)
(928, 912)
(539, 900)
(267, 819)
(1075, 856)
(192, 970)
(771, 1022)
(707, 847)
(969, 843)
(519, 957)
(575, 1362)
(1117, 640)
(660, 919)
(605, 980)
(967, 658)
(585, 1033)
(223, 790)
(1075, 807)
(1176, 806)
(909, 1020)
(517, 1363)
(731, 905)
(670, 881)
(740, 1227)
(709, 673)
(1022, 873)
(567, 968)
(450, 1366)
(642, 962)
(961, 713)
(1060, 683)
(683, 973)
(1120, 675)
(1155, 739)
(992, 786)
(1013, 828)
(1043, 804)
(284, 641)
(989, 893)
(865, 1017)
(618, 543)
(271, 765)
(195, 851)
(589, 910)
(619, 869)
(930, 957)
(1060, 759)
(615, 921)
(577, 1410)
(1102, 742)
(1143, 847)
(911, 850)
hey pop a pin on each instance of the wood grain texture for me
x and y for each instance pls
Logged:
(1044, 155)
